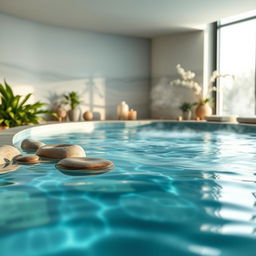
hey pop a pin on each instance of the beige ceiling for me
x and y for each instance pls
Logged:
(145, 18)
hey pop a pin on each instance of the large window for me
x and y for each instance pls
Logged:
(237, 56)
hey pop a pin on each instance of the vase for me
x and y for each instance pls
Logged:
(203, 110)
(88, 116)
(122, 111)
(186, 115)
(74, 114)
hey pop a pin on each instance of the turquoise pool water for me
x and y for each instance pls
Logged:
(175, 190)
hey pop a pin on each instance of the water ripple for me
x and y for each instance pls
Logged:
(180, 192)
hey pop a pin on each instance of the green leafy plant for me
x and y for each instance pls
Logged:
(15, 111)
(186, 106)
(72, 99)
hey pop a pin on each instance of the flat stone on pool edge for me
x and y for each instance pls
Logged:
(85, 165)
(60, 151)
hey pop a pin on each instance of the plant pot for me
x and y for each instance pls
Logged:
(203, 110)
(186, 115)
(4, 127)
(122, 111)
(74, 114)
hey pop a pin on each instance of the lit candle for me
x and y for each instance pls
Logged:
(179, 118)
(132, 115)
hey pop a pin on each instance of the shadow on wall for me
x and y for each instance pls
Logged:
(98, 93)
(91, 92)
(101, 96)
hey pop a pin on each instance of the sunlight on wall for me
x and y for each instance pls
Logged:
(56, 60)
(97, 104)
(91, 92)
(24, 90)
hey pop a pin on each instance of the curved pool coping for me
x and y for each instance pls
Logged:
(14, 136)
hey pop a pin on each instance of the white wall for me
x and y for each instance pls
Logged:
(185, 49)
(48, 61)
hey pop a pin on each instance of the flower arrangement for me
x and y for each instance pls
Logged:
(187, 79)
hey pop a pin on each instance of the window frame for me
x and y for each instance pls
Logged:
(217, 95)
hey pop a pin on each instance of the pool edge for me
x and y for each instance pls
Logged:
(9, 136)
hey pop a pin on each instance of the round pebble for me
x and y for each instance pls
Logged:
(60, 151)
(33, 159)
(84, 165)
(29, 144)
(7, 153)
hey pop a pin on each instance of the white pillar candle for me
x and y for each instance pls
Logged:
(132, 115)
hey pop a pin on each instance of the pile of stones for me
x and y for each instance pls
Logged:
(71, 159)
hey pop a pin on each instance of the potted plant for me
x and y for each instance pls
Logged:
(73, 100)
(188, 80)
(186, 109)
(15, 111)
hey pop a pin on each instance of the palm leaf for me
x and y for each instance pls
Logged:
(14, 112)
(8, 90)
(25, 99)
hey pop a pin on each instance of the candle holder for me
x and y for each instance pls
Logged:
(132, 114)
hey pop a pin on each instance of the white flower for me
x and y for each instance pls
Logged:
(187, 79)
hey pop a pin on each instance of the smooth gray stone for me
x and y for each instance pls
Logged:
(60, 151)
(29, 144)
